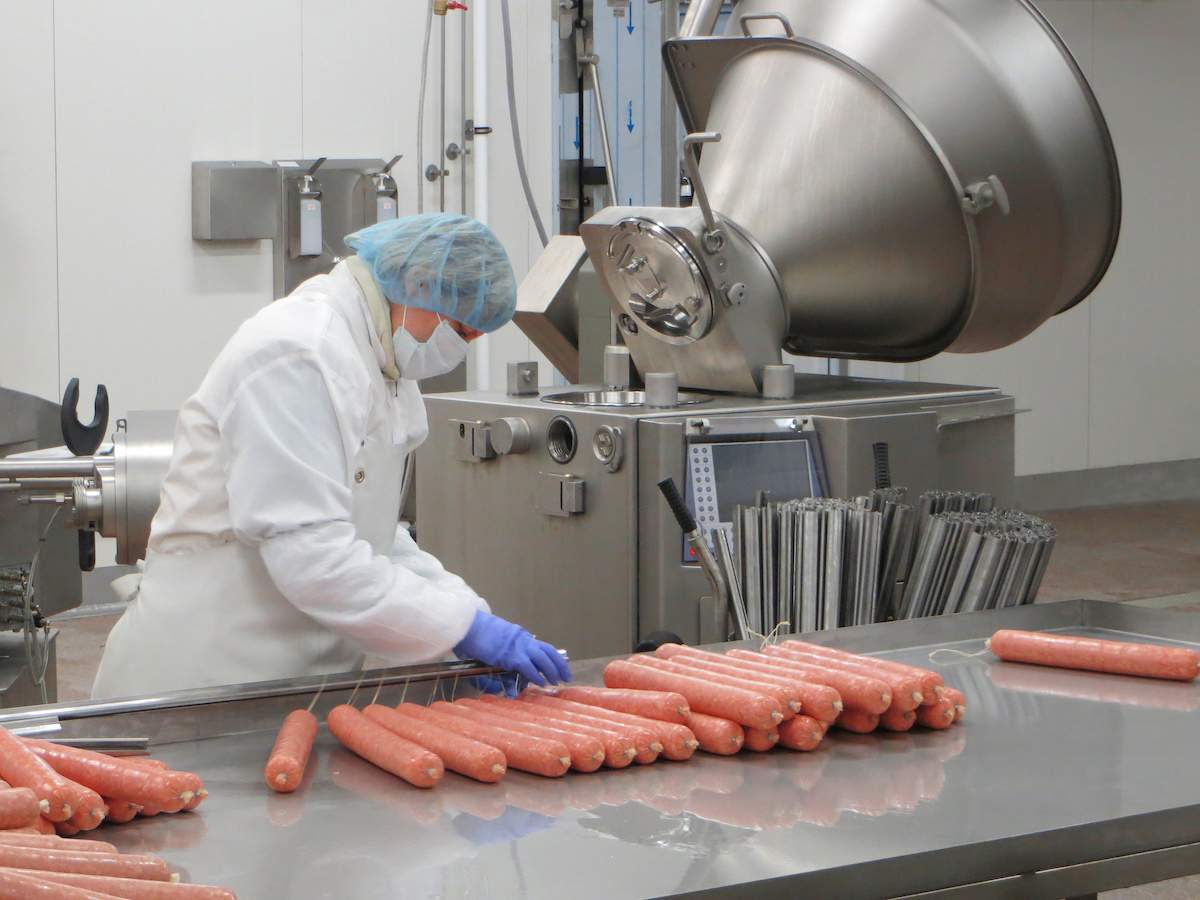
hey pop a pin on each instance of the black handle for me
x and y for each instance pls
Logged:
(83, 440)
(87, 551)
(883, 471)
(682, 514)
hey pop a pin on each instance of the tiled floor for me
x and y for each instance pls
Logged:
(1149, 555)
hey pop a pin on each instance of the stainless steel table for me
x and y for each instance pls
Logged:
(1057, 784)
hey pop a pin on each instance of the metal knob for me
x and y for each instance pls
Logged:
(510, 435)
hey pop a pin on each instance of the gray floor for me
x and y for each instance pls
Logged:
(1148, 555)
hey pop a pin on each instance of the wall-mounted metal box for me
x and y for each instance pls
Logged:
(234, 201)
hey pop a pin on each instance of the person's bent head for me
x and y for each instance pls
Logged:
(446, 264)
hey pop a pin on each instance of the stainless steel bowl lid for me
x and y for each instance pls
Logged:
(849, 148)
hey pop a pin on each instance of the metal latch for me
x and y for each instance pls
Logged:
(559, 495)
(472, 440)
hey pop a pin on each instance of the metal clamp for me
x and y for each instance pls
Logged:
(714, 238)
(982, 194)
(777, 17)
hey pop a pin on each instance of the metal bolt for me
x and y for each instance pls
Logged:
(360, 476)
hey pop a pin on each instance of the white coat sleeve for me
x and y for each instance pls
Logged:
(287, 477)
(405, 552)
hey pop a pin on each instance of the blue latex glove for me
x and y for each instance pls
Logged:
(506, 683)
(494, 641)
(510, 825)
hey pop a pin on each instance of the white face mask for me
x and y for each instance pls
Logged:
(442, 353)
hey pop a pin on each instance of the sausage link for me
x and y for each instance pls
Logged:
(19, 808)
(785, 699)
(801, 733)
(521, 751)
(905, 688)
(668, 706)
(115, 777)
(816, 700)
(860, 692)
(939, 715)
(125, 865)
(736, 704)
(20, 767)
(897, 719)
(677, 740)
(960, 702)
(715, 734)
(132, 888)
(760, 740)
(588, 752)
(474, 759)
(857, 721)
(390, 752)
(932, 685)
(642, 741)
(1096, 655)
(289, 756)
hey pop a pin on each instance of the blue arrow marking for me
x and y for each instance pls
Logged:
(630, 125)
(577, 135)
(630, 25)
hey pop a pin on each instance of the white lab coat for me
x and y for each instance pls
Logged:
(275, 552)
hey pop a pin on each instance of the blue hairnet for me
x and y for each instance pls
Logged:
(449, 264)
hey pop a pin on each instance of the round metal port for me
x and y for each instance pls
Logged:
(561, 440)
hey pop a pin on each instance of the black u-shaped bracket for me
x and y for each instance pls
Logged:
(83, 440)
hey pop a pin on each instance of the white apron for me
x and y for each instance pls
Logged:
(249, 631)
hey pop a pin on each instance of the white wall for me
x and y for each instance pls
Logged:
(103, 106)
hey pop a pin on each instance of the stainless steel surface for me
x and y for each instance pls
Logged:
(610, 170)
(616, 367)
(700, 18)
(986, 200)
(779, 382)
(621, 399)
(628, 576)
(132, 477)
(1037, 795)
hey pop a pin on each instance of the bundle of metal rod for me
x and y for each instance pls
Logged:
(967, 561)
(818, 564)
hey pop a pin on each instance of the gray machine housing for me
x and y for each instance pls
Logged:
(586, 553)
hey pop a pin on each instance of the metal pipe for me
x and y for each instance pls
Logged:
(442, 119)
(79, 466)
(700, 18)
(462, 114)
(610, 171)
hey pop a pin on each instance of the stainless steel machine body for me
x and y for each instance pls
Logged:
(1056, 784)
(896, 178)
(564, 530)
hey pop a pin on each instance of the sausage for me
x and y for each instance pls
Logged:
(21, 886)
(473, 759)
(390, 752)
(960, 702)
(801, 733)
(132, 888)
(19, 807)
(667, 706)
(897, 719)
(677, 740)
(817, 700)
(715, 734)
(905, 688)
(760, 740)
(115, 777)
(29, 839)
(91, 810)
(939, 715)
(857, 692)
(21, 767)
(643, 741)
(742, 676)
(784, 699)
(125, 865)
(289, 756)
(588, 751)
(736, 704)
(121, 811)
(932, 685)
(1095, 655)
(857, 721)
(521, 751)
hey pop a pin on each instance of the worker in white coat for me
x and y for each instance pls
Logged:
(275, 551)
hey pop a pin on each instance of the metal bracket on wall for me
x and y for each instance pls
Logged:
(250, 200)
